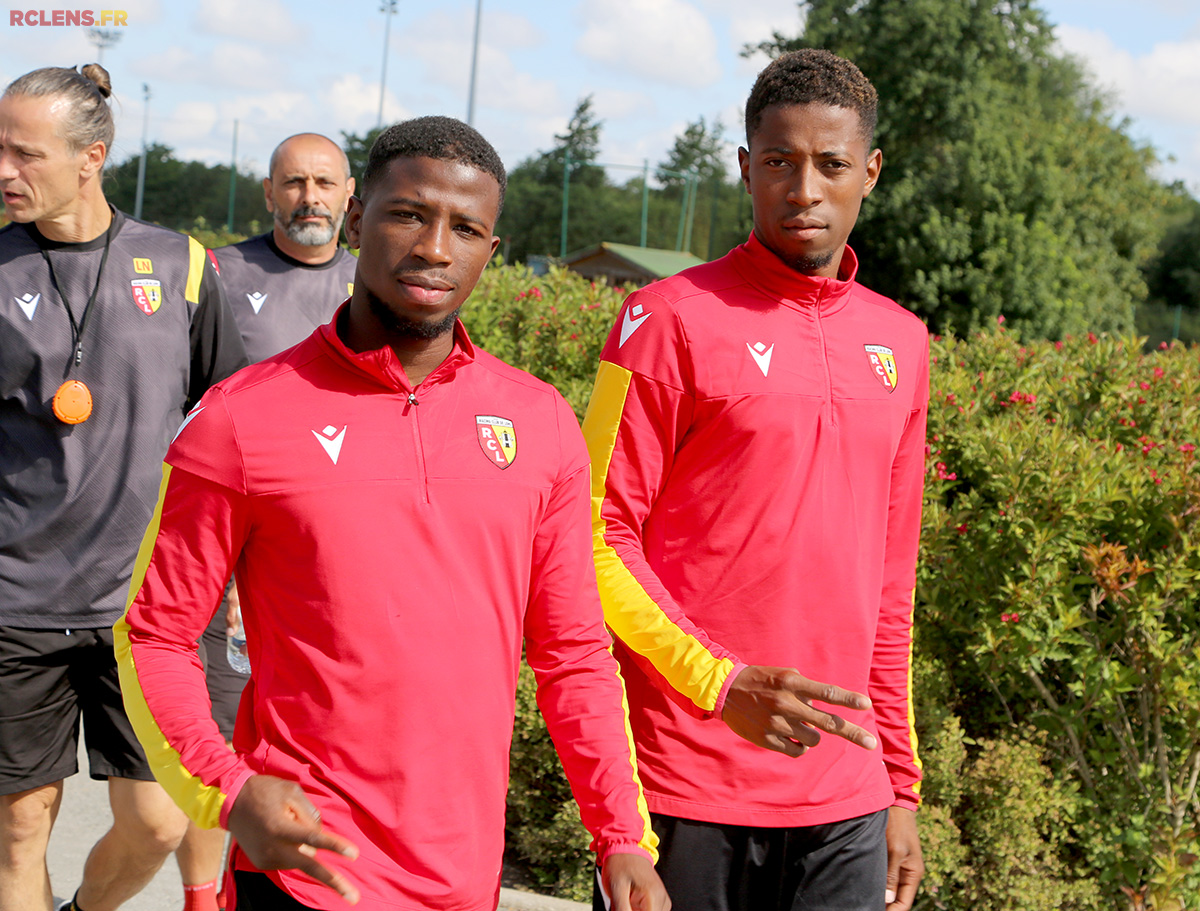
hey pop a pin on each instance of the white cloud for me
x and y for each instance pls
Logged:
(265, 21)
(757, 20)
(668, 41)
(353, 104)
(617, 104)
(227, 64)
(1162, 85)
(500, 83)
(508, 30)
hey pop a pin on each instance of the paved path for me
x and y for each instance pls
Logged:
(84, 817)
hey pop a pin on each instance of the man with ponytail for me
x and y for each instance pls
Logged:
(109, 329)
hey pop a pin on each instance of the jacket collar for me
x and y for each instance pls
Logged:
(762, 268)
(382, 365)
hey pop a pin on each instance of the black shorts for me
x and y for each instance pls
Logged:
(49, 679)
(256, 892)
(225, 685)
(840, 866)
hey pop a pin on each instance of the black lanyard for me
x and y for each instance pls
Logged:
(77, 329)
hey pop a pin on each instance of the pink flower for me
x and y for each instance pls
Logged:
(1187, 447)
(1092, 338)
(1000, 319)
(1158, 373)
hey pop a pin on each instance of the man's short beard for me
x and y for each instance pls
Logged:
(305, 234)
(404, 327)
(810, 263)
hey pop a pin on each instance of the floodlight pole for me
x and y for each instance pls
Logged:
(562, 240)
(232, 179)
(103, 38)
(474, 64)
(141, 181)
(388, 9)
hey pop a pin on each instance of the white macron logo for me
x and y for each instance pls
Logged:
(28, 303)
(331, 441)
(630, 326)
(761, 354)
(257, 299)
(191, 414)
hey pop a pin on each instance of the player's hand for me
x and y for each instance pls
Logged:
(905, 863)
(772, 707)
(277, 827)
(632, 884)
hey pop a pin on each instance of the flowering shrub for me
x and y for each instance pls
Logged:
(552, 325)
(1057, 595)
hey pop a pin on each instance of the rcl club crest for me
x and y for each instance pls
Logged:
(147, 294)
(883, 365)
(497, 439)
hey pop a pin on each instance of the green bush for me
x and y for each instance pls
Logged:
(1057, 586)
(1057, 664)
(552, 325)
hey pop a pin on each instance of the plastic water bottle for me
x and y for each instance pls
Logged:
(235, 646)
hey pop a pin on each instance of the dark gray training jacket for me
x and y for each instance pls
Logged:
(75, 500)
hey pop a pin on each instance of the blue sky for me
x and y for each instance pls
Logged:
(652, 66)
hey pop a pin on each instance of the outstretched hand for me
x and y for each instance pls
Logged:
(279, 829)
(772, 707)
(632, 884)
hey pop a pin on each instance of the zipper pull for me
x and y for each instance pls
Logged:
(412, 399)
(78, 353)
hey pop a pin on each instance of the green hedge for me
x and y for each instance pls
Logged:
(1057, 657)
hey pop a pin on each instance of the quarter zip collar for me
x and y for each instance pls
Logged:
(382, 365)
(767, 272)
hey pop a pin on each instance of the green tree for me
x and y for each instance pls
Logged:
(357, 149)
(1173, 278)
(178, 192)
(598, 210)
(1007, 188)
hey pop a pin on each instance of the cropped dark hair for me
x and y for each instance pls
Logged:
(440, 138)
(89, 118)
(813, 76)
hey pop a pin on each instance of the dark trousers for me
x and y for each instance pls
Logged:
(256, 892)
(839, 866)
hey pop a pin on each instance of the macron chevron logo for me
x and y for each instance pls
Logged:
(331, 441)
(28, 303)
(630, 326)
(257, 299)
(191, 414)
(761, 354)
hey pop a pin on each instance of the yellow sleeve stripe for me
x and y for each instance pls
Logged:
(630, 612)
(201, 802)
(912, 714)
(195, 270)
(649, 840)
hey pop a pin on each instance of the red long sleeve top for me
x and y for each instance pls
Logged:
(393, 548)
(757, 441)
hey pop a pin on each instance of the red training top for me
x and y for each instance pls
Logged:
(757, 440)
(393, 548)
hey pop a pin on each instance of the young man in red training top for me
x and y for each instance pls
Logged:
(757, 435)
(402, 511)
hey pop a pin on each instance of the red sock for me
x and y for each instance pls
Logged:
(200, 898)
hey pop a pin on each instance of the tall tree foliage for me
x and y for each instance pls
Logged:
(1173, 277)
(1007, 189)
(178, 192)
(598, 210)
